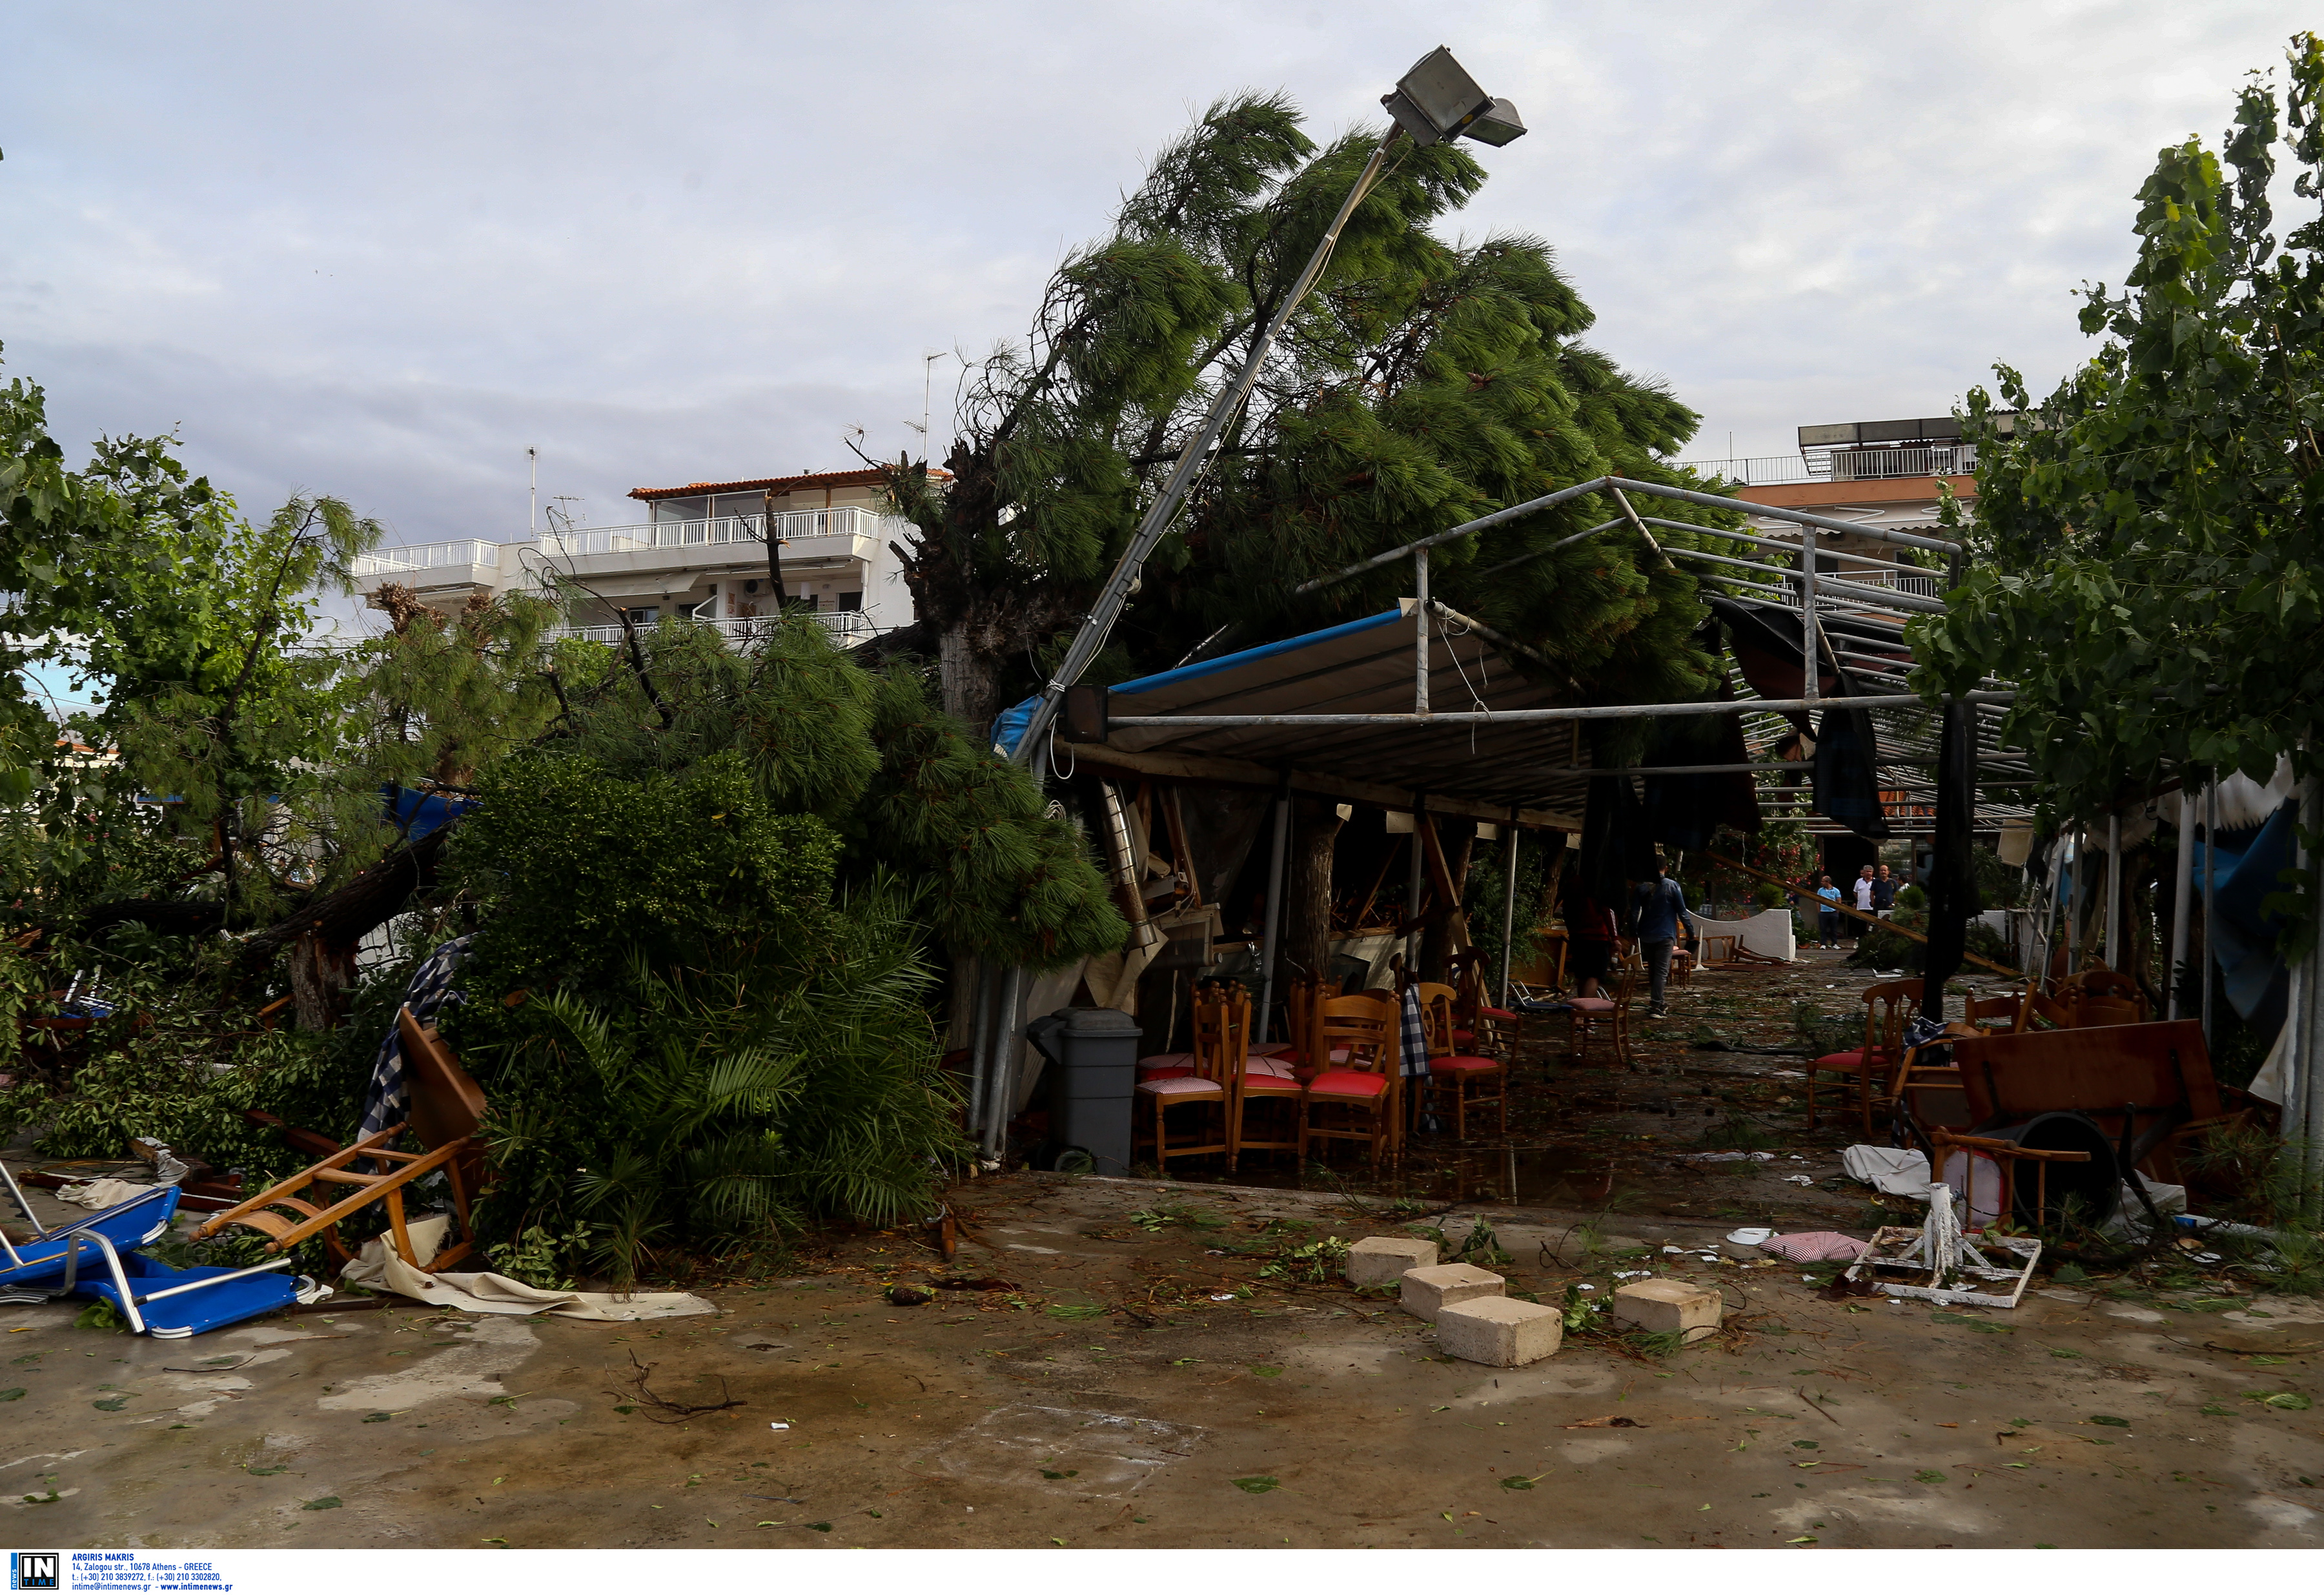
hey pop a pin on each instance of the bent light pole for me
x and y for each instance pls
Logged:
(1433, 104)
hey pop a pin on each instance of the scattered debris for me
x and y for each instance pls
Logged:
(665, 1411)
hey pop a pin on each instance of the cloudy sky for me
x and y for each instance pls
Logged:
(379, 251)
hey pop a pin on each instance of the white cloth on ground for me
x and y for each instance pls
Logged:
(102, 1192)
(1894, 1171)
(378, 1267)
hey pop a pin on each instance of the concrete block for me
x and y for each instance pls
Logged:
(1378, 1259)
(1669, 1307)
(1428, 1291)
(1499, 1333)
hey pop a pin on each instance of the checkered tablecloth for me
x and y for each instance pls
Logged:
(389, 1099)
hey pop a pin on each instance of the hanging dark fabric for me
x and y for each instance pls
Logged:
(1682, 811)
(1846, 783)
(1616, 849)
(1952, 878)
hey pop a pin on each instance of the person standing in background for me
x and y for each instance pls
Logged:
(1884, 892)
(1865, 888)
(1589, 925)
(1827, 912)
(1659, 907)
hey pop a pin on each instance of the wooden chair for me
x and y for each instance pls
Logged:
(1270, 1083)
(446, 1107)
(1977, 1011)
(1300, 996)
(1359, 1035)
(1587, 1018)
(1868, 1067)
(1477, 1024)
(1467, 1077)
(1222, 1026)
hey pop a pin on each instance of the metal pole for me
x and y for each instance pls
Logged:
(980, 1044)
(2114, 891)
(1598, 484)
(1000, 1106)
(1508, 916)
(2074, 910)
(2182, 892)
(2210, 853)
(1269, 940)
(1411, 888)
(1159, 514)
(1420, 632)
(2303, 1095)
(1808, 650)
(1525, 716)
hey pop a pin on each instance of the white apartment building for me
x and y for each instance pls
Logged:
(699, 554)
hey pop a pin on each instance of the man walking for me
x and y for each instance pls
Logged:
(1659, 904)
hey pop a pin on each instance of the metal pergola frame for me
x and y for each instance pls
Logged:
(1901, 745)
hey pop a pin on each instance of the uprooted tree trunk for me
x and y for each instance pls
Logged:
(322, 972)
(341, 918)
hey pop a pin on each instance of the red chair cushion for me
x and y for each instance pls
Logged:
(1591, 1004)
(1462, 1065)
(1346, 1083)
(1255, 1083)
(1497, 1013)
(1163, 1065)
(1841, 1062)
(1463, 1038)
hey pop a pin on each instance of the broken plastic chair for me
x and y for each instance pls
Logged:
(446, 1107)
(155, 1298)
(31, 1269)
(1939, 1263)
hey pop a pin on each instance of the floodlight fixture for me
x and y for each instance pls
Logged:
(1437, 101)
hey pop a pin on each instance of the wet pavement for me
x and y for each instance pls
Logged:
(1147, 1365)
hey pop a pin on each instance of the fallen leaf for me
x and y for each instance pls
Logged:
(111, 1403)
(319, 1503)
(376, 1417)
(16, 1395)
(1928, 1476)
(1603, 1423)
(2109, 1423)
(1257, 1484)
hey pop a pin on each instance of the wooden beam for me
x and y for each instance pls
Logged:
(1241, 773)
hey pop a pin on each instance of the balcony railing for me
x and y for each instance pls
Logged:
(848, 626)
(1872, 464)
(427, 556)
(790, 525)
(1761, 471)
(1843, 465)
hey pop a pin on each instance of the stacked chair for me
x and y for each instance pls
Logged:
(1465, 1079)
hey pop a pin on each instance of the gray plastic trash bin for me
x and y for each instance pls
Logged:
(1095, 1050)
